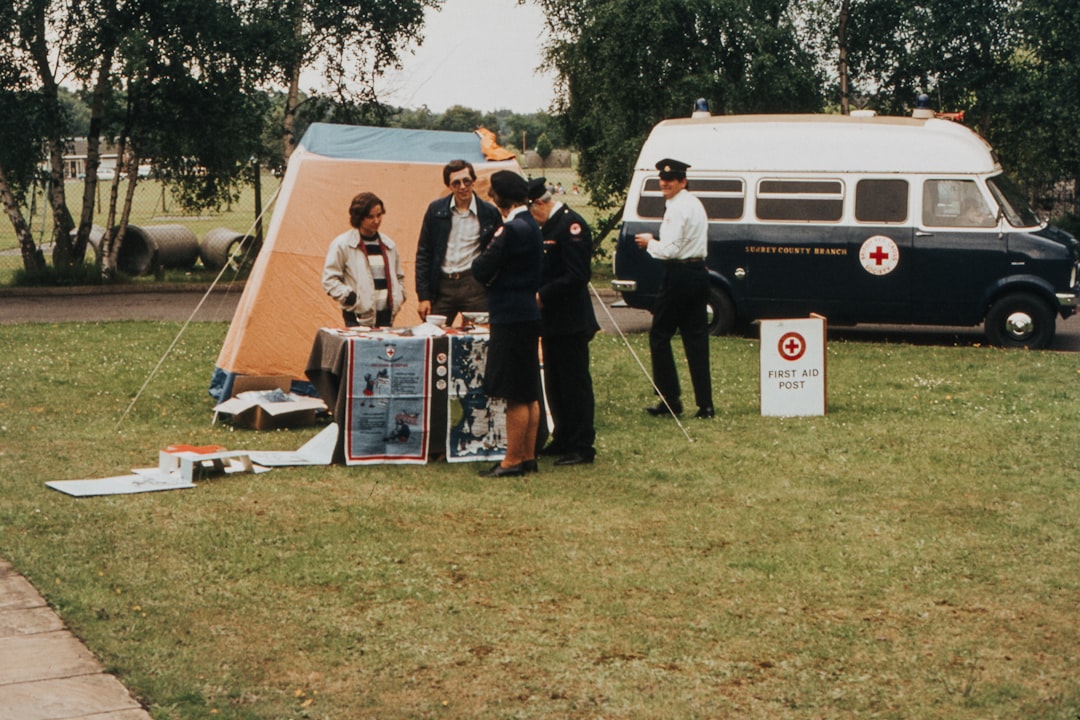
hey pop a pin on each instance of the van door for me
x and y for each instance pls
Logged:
(877, 286)
(806, 256)
(959, 253)
(795, 222)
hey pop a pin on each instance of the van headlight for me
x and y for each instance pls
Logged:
(1075, 273)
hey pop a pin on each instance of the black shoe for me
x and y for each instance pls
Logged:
(661, 410)
(575, 458)
(530, 466)
(497, 470)
(706, 413)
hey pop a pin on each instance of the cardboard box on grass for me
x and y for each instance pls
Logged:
(262, 414)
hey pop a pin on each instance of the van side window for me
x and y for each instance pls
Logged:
(955, 203)
(723, 199)
(881, 201)
(800, 200)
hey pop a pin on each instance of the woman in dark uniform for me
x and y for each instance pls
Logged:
(509, 268)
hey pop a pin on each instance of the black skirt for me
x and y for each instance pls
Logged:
(513, 362)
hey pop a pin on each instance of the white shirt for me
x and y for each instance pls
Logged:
(463, 244)
(684, 231)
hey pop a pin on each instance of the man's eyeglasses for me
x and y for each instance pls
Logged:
(461, 183)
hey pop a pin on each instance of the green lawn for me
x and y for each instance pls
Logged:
(914, 553)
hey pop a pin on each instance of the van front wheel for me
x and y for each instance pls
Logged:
(721, 312)
(1021, 320)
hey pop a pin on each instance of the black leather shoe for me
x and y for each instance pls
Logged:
(497, 470)
(661, 410)
(574, 458)
(706, 413)
(530, 466)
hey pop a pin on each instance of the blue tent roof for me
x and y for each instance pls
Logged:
(359, 142)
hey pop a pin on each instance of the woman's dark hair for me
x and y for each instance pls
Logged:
(361, 206)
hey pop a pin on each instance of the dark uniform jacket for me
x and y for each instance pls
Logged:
(434, 235)
(564, 281)
(509, 268)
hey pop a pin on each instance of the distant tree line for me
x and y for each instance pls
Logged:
(209, 90)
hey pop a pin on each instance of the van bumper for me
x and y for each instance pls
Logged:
(630, 286)
(1068, 300)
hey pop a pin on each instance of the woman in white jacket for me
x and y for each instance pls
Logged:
(363, 269)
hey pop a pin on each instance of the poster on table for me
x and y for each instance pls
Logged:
(476, 428)
(389, 395)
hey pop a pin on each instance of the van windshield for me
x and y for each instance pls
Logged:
(1013, 202)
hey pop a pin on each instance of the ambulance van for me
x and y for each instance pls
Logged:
(860, 218)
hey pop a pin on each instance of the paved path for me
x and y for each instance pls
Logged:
(46, 673)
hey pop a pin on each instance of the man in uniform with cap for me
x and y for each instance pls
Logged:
(568, 323)
(682, 304)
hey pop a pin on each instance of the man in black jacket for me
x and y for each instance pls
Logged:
(454, 232)
(568, 323)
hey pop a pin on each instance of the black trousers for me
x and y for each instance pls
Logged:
(682, 307)
(568, 382)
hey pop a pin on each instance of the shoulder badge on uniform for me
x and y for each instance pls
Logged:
(575, 229)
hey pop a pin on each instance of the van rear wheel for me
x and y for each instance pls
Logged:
(1020, 320)
(721, 312)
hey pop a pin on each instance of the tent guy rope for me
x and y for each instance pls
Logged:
(640, 364)
(225, 266)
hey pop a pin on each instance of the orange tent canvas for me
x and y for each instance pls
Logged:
(283, 304)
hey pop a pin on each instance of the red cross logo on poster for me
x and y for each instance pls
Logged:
(791, 347)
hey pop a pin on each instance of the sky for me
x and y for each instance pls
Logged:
(481, 54)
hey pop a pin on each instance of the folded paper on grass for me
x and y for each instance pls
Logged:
(179, 467)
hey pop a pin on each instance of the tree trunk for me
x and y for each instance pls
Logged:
(33, 259)
(845, 9)
(114, 235)
(257, 182)
(288, 120)
(93, 160)
(63, 224)
(292, 98)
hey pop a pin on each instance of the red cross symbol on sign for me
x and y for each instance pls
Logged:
(879, 255)
(792, 345)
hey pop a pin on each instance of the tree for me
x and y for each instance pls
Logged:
(1036, 130)
(623, 65)
(189, 102)
(353, 41)
(459, 118)
(543, 148)
(18, 167)
(524, 130)
(28, 26)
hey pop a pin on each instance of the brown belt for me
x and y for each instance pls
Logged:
(456, 275)
(686, 261)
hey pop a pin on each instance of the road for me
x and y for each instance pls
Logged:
(179, 303)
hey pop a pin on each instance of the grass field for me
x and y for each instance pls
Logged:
(913, 554)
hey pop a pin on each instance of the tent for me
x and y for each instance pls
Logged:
(283, 304)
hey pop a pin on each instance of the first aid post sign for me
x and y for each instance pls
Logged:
(793, 367)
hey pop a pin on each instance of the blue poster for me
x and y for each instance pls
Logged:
(476, 429)
(389, 393)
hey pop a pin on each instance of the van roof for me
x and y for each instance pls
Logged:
(818, 143)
